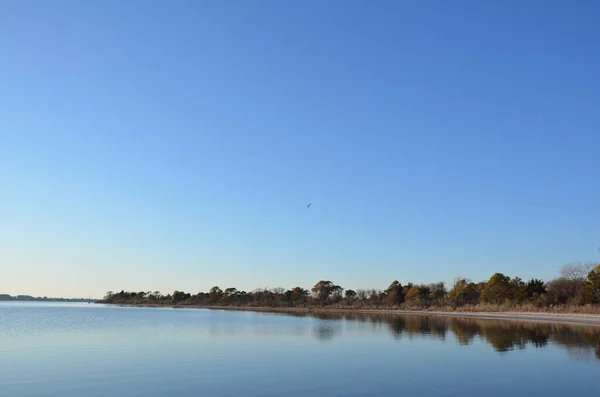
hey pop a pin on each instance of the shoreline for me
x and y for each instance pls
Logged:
(573, 318)
(546, 317)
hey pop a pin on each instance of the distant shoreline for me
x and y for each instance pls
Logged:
(573, 318)
(57, 300)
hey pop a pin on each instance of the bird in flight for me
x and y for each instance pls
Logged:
(308, 206)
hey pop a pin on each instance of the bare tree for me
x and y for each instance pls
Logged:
(574, 275)
(361, 294)
(374, 294)
(576, 271)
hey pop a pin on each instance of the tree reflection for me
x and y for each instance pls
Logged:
(325, 332)
(502, 335)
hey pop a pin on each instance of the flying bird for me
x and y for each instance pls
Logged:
(308, 206)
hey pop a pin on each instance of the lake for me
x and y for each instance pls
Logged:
(68, 350)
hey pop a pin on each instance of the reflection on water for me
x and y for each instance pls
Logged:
(97, 351)
(326, 332)
(502, 335)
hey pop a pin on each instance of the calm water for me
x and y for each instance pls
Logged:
(72, 350)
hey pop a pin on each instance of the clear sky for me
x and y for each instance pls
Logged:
(150, 145)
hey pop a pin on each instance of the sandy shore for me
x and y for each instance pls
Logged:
(573, 318)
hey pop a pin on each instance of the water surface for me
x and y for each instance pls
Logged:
(68, 350)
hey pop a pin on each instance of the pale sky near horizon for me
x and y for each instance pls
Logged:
(148, 145)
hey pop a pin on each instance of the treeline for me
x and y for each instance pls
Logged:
(579, 284)
(29, 298)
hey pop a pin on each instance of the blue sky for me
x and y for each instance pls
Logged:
(153, 145)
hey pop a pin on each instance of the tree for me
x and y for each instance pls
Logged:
(323, 290)
(394, 293)
(437, 291)
(350, 294)
(229, 295)
(519, 289)
(577, 271)
(417, 295)
(278, 290)
(576, 275)
(154, 297)
(497, 289)
(374, 295)
(215, 294)
(463, 292)
(560, 290)
(535, 288)
(591, 291)
(296, 295)
(179, 296)
(362, 294)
